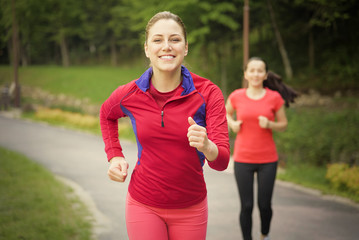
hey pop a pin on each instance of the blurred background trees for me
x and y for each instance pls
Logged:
(311, 43)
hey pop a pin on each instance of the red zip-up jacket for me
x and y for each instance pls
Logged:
(169, 172)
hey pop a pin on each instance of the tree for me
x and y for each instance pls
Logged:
(281, 45)
(15, 46)
(64, 18)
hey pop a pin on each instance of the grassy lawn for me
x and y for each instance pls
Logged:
(34, 205)
(95, 83)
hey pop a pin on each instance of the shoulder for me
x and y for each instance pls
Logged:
(201, 82)
(273, 94)
(275, 97)
(128, 86)
(121, 91)
(204, 85)
(238, 93)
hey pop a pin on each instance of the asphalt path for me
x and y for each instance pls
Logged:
(78, 159)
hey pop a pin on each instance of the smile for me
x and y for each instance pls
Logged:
(167, 57)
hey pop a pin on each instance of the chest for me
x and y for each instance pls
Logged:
(248, 109)
(169, 123)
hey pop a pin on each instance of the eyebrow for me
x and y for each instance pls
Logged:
(160, 35)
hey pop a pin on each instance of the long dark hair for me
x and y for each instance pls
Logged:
(275, 83)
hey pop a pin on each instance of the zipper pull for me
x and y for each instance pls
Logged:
(162, 123)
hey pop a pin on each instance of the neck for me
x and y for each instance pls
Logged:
(255, 92)
(166, 81)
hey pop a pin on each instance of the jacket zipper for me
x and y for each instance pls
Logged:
(162, 123)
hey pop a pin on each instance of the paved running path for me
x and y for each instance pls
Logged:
(79, 158)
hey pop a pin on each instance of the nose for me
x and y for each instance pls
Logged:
(167, 46)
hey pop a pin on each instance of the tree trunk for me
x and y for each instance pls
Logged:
(311, 55)
(23, 54)
(245, 38)
(282, 50)
(15, 46)
(64, 50)
(225, 54)
(113, 52)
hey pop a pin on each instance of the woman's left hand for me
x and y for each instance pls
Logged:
(263, 122)
(197, 137)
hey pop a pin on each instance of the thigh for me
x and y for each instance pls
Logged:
(244, 174)
(188, 223)
(143, 222)
(266, 179)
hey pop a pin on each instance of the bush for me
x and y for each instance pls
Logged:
(343, 177)
(73, 119)
(320, 136)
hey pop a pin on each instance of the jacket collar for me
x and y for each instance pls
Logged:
(187, 83)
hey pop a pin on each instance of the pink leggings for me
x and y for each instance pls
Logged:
(150, 223)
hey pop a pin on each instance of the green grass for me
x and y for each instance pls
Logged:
(313, 177)
(34, 205)
(95, 82)
(305, 175)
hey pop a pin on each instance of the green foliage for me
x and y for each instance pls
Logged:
(320, 136)
(34, 205)
(343, 177)
(319, 36)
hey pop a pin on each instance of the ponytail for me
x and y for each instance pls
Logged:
(274, 82)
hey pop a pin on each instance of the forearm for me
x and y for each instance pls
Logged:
(277, 126)
(109, 130)
(222, 160)
(116, 159)
(211, 152)
(230, 120)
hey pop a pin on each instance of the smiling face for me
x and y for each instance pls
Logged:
(166, 45)
(255, 73)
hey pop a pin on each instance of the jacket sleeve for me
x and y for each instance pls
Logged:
(110, 112)
(217, 128)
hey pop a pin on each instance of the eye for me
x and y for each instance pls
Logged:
(175, 39)
(156, 40)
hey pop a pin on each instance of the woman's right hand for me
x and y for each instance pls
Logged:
(118, 169)
(235, 125)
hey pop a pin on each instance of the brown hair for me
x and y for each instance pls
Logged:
(165, 15)
(274, 82)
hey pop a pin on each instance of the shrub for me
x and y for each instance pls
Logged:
(74, 119)
(343, 177)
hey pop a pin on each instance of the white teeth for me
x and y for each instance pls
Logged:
(167, 57)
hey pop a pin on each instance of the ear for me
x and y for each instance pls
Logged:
(186, 49)
(146, 49)
(245, 75)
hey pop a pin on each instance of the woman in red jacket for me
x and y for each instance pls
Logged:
(259, 110)
(179, 120)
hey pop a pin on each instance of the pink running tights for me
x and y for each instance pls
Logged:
(150, 223)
